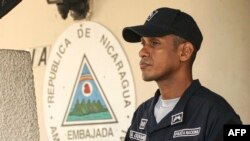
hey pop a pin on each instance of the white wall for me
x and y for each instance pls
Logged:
(221, 63)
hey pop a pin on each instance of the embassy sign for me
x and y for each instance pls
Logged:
(89, 91)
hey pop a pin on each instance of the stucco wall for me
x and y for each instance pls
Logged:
(221, 65)
(18, 116)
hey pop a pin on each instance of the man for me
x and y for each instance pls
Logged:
(181, 108)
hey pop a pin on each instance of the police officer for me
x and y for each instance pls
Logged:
(181, 109)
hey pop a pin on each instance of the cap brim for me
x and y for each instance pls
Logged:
(134, 33)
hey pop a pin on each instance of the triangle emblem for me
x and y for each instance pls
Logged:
(88, 103)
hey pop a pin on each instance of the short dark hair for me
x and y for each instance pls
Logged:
(179, 40)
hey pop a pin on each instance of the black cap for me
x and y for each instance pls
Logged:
(165, 21)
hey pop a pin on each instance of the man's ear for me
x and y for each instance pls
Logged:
(186, 50)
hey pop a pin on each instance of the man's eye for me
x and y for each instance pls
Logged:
(154, 43)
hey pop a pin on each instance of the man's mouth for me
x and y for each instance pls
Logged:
(144, 64)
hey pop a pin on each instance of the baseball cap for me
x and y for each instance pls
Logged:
(165, 21)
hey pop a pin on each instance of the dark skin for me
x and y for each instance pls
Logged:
(167, 64)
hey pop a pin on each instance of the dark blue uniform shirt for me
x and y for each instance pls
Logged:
(198, 116)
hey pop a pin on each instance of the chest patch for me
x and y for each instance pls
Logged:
(137, 136)
(143, 123)
(187, 132)
(177, 118)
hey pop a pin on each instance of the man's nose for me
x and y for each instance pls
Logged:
(144, 52)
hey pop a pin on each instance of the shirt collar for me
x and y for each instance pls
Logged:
(177, 112)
